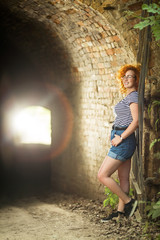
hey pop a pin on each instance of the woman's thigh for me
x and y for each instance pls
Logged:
(109, 166)
(124, 169)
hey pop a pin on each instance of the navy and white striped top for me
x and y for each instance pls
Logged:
(122, 110)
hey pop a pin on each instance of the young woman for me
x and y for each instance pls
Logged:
(123, 142)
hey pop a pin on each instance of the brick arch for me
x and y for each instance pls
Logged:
(76, 48)
(71, 31)
(115, 12)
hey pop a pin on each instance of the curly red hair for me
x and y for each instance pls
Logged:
(121, 72)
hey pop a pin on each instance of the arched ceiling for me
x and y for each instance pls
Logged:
(62, 37)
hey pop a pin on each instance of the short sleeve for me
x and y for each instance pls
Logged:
(132, 97)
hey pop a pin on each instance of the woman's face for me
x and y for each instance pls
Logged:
(129, 79)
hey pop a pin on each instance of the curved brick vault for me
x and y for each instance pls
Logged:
(73, 47)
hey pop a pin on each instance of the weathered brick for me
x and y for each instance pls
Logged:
(110, 51)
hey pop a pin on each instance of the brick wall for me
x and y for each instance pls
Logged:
(116, 14)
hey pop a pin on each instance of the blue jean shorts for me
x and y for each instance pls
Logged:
(125, 149)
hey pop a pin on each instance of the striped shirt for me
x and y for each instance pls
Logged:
(122, 110)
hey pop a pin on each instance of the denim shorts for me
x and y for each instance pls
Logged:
(125, 149)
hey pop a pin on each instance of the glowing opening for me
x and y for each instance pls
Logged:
(32, 125)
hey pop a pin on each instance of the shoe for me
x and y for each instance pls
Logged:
(130, 208)
(111, 216)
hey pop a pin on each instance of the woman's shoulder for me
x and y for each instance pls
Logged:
(132, 97)
(132, 94)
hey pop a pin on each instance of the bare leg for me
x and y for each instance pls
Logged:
(108, 167)
(123, 174)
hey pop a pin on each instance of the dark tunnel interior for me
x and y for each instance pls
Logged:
(33, 72)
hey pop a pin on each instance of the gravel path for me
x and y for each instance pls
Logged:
(62, 217)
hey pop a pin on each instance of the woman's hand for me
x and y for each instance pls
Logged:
(116, 140)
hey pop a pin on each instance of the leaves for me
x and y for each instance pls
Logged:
(112, 199)
(143, 24)
(154, 142)
(153, 21)
(156, 102)
(156, 124)
(151, 8)
(154, 211)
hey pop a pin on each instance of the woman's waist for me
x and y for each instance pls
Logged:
(114, 127)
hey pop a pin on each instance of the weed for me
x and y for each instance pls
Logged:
(153, 209)
(112, 199)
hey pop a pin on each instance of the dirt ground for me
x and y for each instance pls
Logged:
(59, 216)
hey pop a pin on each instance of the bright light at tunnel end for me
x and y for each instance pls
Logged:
(32, 125)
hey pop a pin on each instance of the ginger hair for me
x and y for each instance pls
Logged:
(121, 72)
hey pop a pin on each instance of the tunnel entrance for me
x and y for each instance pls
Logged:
(31, 125)
(31, 74)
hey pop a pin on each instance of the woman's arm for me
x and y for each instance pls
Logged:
(131, 128)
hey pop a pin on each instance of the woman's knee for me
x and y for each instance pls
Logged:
(99, 176)
(102, 176)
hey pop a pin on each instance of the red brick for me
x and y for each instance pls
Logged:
(100, 65)
(80, 23)
(57, 21)
(115, 38)
(87, 10)
(100, 24)
(110, 51)
(114, 63)
(75, 69)
(118, 50)
(103, 34)
(106, 28)
(89, 49)
(79, 40)
(88, 38)
(88, 15)
(101, 71)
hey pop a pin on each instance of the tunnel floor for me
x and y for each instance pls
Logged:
(61, 217)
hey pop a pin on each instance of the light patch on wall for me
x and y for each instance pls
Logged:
(32, 125)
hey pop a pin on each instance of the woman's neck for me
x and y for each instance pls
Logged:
(130, 90)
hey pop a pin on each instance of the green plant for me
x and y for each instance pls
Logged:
(152, 20)
(151, 224)
(153, 209)
(153, 143)
(112, 199)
